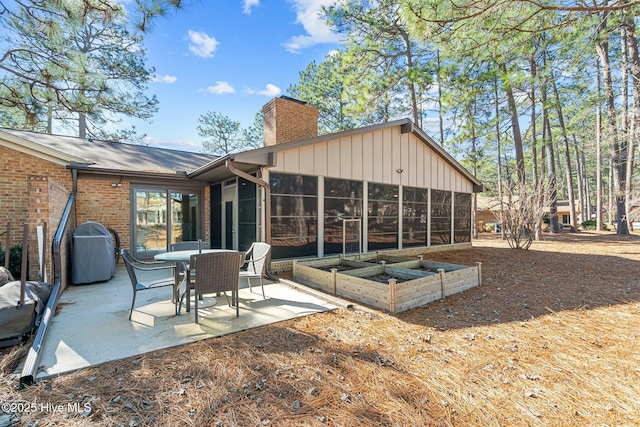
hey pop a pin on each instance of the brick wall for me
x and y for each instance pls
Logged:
(286, 120)
(97, 200)
(35, 191)
(26, 180)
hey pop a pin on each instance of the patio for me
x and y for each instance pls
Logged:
(91, 325)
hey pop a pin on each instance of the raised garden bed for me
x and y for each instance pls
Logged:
(390, 283)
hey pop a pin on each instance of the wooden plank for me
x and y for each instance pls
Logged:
(357, 163)
(323, 262)
(320, 159)
(368, 157)
(364, 291)
(432, 265)
(351, 263)
(419, 289)
(365, 271)
(358, 281)
(307, 159)
(346, 165)
(415, 263)
(404, 273)
(333, 159)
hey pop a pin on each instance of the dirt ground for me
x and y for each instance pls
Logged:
(549, 339)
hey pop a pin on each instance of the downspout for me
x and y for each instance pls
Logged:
(32, 361)
(267, 191)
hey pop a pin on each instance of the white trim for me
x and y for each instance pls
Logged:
(428, 242)
(320, 219)
(400, 215)
(365, 217)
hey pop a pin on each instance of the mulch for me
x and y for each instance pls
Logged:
(550, 338)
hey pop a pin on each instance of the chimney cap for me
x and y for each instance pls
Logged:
(288, 98)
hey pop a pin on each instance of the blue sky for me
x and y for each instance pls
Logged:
(227, 56)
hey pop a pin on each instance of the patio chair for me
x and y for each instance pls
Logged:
(138, 286)
(256, 260)
(188, 246)
(217, 272)
(191, 245)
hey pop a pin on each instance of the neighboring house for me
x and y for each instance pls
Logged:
(564, 212)
(401, 187)
(487, 213)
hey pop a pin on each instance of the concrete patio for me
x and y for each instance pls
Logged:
(92, 325)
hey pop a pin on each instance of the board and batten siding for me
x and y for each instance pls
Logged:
(375, 157)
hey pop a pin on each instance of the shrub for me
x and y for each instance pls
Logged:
(591, 225)
(15, 260)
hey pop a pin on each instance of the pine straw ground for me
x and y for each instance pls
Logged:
(550, 338)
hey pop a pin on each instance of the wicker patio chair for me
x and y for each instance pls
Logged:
(184, 268)
(217, 272)
(188, 246)
(256, 260)
(138, 286)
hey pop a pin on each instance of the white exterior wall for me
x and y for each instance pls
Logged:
(375, 157)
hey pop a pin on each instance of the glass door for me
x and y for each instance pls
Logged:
(151, 223)
(163, 217)
(184, 217)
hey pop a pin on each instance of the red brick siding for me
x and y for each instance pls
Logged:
(26, 183)
(15, 170)
(34, 190)
(97, 200)
(286, 121)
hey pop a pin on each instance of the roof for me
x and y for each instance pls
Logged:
(265, 156)
(103, 157)
(87, 154)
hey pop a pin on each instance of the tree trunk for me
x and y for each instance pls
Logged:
(551, 168)
(409, 66)
(515, 126)
(598, 152)
(634, 57)
(587, 191)
(567, 157)
(49, 118)
(617, 165)
(82, 125)
(474, 158)
(500, 192)
(440, 112)
(579, 180)
(537, 184)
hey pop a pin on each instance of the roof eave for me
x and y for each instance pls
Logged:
(87, 169)
(37, 150)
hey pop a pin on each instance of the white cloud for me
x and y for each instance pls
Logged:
(220, 88)
(202, 44)
(270, 90)
(164, 79)
(308, 14)
(248, 4)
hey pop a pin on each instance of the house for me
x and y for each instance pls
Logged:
(380, 187)
(564, 212)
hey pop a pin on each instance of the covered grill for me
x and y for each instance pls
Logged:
(93, 257)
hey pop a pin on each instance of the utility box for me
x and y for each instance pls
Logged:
(93, 257)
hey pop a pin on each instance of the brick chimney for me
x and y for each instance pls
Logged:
(287, 119)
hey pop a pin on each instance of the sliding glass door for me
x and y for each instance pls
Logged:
(163, 217)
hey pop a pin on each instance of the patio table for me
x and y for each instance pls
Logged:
(184, 258)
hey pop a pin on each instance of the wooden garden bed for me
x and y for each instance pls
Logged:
(394, 284)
